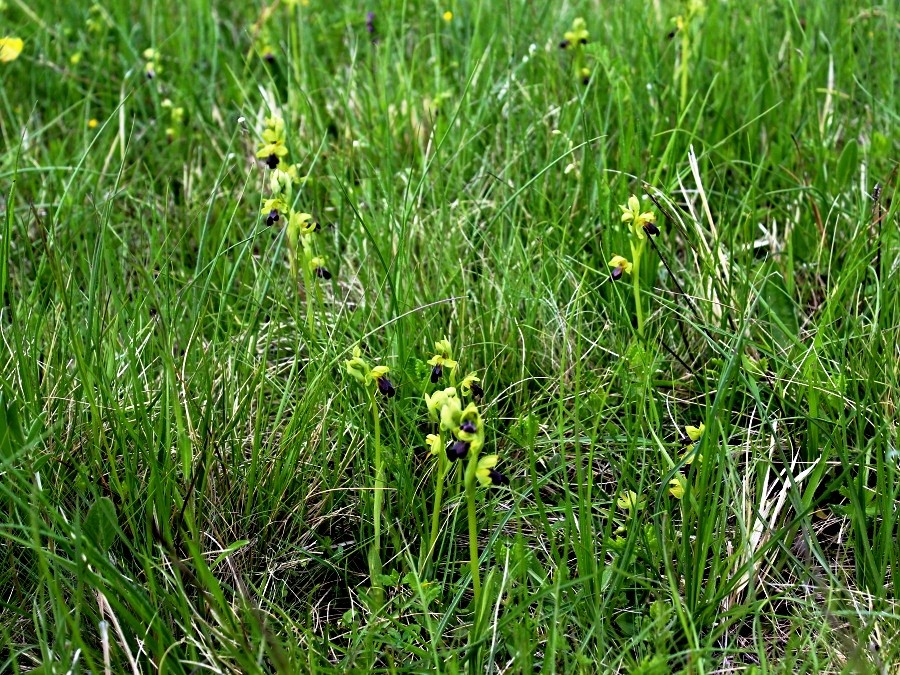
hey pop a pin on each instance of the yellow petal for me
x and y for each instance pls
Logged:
(677, 486)
(694, 433)
(633, 204)
(379, 371)
(628, 500)
(619, 261)
(488, 462)
(10, 48)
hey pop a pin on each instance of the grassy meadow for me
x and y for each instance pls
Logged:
(484, 336)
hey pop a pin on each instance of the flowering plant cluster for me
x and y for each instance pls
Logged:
(574, 40)
(278, 208)
(641, 226)
(460, 437)
(367, 375)
(151, 63)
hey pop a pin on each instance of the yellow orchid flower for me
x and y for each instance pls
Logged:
(677, 486)
(642, 223)
(575, 37)
(620, 265)
(486, 473)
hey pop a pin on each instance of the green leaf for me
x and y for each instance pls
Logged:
(228, 550)
(782, 313)
(847, 163)
(101, 526)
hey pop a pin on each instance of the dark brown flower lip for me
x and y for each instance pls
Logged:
(436, 373)
(457, 450)
(497, 478)
(386, 387)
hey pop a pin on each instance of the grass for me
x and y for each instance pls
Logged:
(187, 469)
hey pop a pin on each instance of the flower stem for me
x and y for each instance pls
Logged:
(375, 551)
(438, 499)
(310, 294)
(473, 530)
(636, 283)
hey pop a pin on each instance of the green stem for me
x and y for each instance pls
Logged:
(375, 551)
(636, 283)
(473, 530)
(685, 54)
(442, 467)
(310, 294)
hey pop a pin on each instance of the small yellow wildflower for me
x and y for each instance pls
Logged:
(578, 35)
(281, 183)
(273, 147)
(441, 360)
(631, 212)
(274, 204)
(620, 265)
(357, 366)
(317, 266)
(92, 123)
(470, 387)
(447, 16)
(487, 475)
(677, 486)
(10, 48)
(451, 413)
(630, 501)
(694, 433)
(303, 222)
(378, 374)
(75, 59)
(436, 402)
(433, 441)
(690, 451)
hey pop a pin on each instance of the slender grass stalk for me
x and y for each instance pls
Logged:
(683, 64)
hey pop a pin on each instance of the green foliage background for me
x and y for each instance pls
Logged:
(185, 471)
